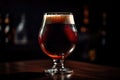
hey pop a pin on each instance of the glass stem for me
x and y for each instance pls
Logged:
(58, 64)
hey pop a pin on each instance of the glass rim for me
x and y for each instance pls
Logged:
(58, 13)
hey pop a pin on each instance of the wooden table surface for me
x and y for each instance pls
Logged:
(34, 70)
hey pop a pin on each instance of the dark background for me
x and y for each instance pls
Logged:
(34, 10)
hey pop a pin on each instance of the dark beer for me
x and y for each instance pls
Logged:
(58, 39)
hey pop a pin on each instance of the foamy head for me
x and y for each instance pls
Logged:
(59, 17)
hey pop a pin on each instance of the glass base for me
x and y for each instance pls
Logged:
(61, 74)
(58, 68)
(59, 71)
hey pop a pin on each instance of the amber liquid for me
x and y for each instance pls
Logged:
(58, 40)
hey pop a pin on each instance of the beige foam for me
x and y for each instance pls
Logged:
(67, 19)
